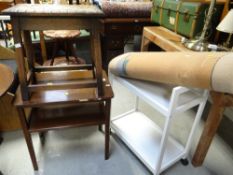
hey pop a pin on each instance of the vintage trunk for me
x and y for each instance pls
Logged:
(185, 18)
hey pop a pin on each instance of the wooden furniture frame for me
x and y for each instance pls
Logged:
(57, 109)
(27, 17)
(59, 96)
(162, 37)
(170, 41)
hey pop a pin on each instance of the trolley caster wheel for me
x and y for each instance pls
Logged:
(184, 162)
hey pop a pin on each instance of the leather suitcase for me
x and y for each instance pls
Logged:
(183, 17)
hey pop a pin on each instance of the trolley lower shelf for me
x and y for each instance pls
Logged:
(143, 137)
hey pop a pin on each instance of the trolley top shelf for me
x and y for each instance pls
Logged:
(160, 95)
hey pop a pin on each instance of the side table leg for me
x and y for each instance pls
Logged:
(107, 128)
(27, 136)
(43, 47)
(145, 43)
(210, 128)
(101, 106)
(20, 57)
(97, 60)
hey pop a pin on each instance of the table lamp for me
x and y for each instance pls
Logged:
(226, 25)
(200, 44)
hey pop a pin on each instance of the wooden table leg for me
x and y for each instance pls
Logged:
(97, 56)
(43, 47)
(20, 58)
(107, 128)
(210, 128)
(145, 43)
(27, 136)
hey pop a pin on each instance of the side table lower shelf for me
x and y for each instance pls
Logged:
(143, 137)
(43, 119)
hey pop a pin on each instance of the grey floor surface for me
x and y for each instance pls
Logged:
(76, 152)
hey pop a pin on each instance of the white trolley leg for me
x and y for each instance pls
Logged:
(163, 144)
(196, 121)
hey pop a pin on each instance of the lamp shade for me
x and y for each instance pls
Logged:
(226, 25)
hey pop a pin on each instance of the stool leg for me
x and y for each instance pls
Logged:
(74, 53)
(67, 50)
(55, 46)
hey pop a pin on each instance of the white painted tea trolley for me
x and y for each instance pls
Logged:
(152, 145)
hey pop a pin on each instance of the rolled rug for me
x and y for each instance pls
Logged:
(207, 70)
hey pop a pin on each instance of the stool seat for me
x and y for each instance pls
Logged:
(67, 38)
(61, 34)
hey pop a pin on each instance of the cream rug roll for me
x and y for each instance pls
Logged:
(208, 70)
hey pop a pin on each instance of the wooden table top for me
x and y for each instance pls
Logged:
(6, 78)
(164, 38)
(54, 10)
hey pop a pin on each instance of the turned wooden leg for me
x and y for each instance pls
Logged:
(55, 47)
(67, 50)
(73, 48)
(43, 47)
(210, 128)
(27, 136)
(107, 128)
